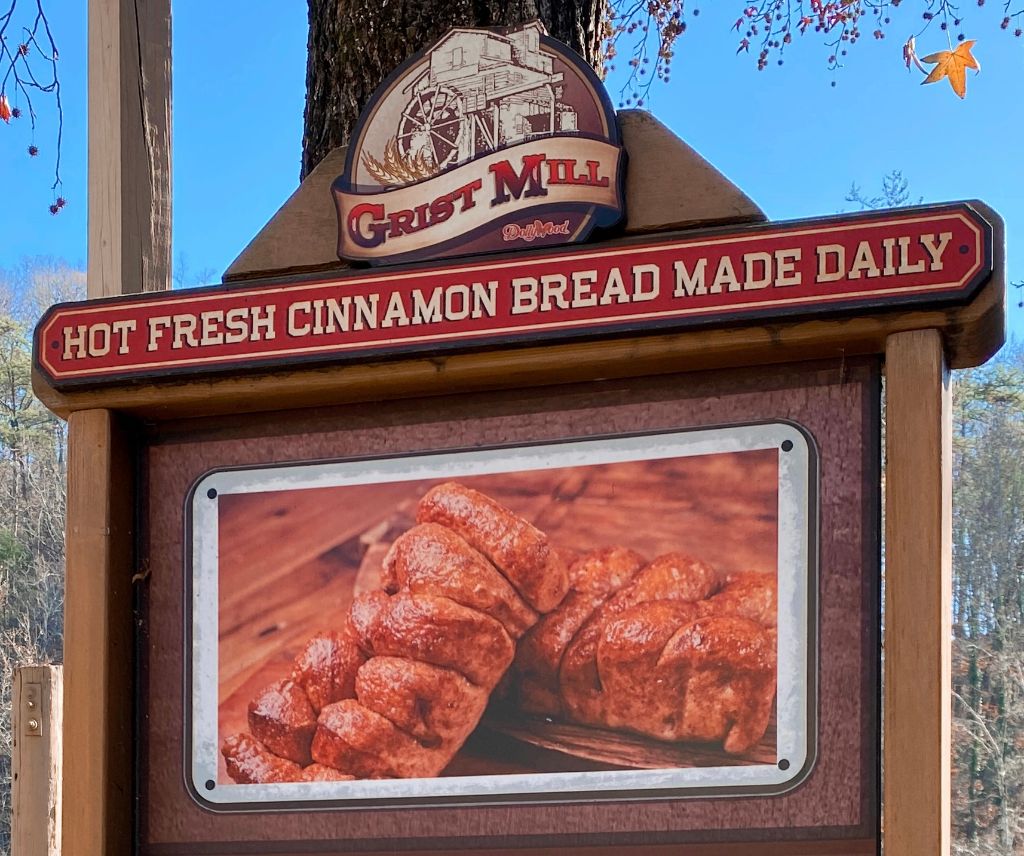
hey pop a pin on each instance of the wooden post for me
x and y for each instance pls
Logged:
(918, 600)
(129, 146)
(98, 647)
(36, 726)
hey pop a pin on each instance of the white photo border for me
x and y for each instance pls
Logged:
(797, 626)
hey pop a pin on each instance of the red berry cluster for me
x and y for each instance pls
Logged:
(1005, 23)
(765, 28)
(29, 72)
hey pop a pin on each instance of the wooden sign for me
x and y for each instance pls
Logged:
(487, 140)
(551, 546)
(931, 256)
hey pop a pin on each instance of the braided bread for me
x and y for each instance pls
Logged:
(396, 691)
(250, 762)
(520, 551)
(668, 650)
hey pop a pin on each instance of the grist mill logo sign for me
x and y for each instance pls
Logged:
(486, 141)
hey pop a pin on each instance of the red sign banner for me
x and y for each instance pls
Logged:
(852, 264)
(557, 178)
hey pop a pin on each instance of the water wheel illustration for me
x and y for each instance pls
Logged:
(432, 125)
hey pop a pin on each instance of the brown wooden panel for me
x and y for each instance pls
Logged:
(129, 147)
(837, 403)
(98, 638)
(919, 592)
(851, 847)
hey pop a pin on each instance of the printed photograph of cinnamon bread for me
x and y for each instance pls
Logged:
(667, 649)
(396, 692)
(616, 616)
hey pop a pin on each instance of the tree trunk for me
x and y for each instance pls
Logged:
(355, 44)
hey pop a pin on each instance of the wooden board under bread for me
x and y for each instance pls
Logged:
(291, 562)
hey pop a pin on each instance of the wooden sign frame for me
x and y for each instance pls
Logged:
(918, 347)
(130, 251)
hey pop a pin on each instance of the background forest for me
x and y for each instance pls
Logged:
(988, 537)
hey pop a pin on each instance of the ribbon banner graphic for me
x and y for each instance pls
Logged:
(557, 180)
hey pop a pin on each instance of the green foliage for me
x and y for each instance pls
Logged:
(32, 458)
(895, 192)
(988, 607)
(988, 591)
(12, 554)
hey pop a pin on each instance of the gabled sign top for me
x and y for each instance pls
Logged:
(488, 140)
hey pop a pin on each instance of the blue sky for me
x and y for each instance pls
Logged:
(786, 136)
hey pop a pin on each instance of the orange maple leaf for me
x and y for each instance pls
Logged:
(952, 65)
(5, 108)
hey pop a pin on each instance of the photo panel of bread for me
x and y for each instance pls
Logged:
(623, 616)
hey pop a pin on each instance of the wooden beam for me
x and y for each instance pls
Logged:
(129, 147)
(98, 646)
(36, 729)
(918, 597)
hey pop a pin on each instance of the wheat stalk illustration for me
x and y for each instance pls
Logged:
(396, 169)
